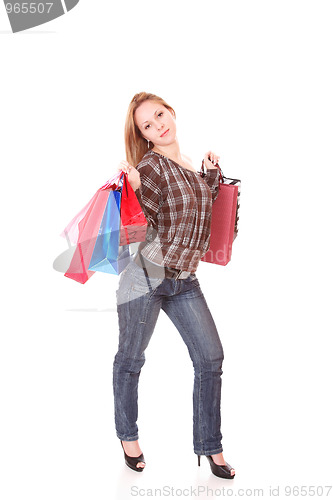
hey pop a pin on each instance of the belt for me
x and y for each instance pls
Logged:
(155, 271)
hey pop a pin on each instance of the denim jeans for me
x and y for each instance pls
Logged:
(139, 304)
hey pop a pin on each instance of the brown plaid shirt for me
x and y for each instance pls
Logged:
(177, 203)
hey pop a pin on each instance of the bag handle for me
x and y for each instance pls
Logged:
(221, 176)
(115, 179)
(125, 181)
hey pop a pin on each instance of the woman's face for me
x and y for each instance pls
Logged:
(156, 123)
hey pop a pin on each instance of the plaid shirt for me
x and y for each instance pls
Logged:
(177, 203)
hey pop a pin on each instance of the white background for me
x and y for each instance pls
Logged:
(251, 80)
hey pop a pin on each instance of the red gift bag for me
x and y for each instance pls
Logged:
(133, 222)
(224, 222)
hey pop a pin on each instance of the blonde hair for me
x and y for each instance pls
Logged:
(136, 146)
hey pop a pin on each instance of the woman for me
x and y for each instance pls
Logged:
(177, 202)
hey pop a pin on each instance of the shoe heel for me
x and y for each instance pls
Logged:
(199, 460)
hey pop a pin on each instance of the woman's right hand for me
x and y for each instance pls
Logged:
(133, 175)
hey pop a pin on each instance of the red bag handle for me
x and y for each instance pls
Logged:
(125, 181)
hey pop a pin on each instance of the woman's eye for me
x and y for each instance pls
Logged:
(147, 127)
(160, 114)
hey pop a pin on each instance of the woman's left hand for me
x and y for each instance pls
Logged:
(211, 159)
(133, 174)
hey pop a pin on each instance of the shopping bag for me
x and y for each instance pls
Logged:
(133, 222)
(83, 230)
(237, 183)
(71, 231)
(108, 256)
(224, 221)
(84, 233)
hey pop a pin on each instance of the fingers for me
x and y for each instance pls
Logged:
(211, 159)
(133, 174)
(125, 167)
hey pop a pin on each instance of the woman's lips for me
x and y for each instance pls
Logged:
(165, 133)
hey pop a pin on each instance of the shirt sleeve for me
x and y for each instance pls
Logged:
(212, 179)
(149, 194)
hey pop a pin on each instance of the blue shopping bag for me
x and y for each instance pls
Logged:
(108, 256)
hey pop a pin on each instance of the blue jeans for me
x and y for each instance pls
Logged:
(138, 305)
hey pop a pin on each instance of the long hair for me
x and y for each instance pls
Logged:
(136, 146)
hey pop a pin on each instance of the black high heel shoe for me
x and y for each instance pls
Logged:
(133, 461)
(219, 470)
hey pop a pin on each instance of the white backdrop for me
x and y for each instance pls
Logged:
(251, 80)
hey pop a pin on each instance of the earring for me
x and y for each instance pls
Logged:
(148, 143)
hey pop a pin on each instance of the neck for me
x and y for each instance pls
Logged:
(171, 151)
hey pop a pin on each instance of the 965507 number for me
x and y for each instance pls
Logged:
(29, 8)
(302, 491)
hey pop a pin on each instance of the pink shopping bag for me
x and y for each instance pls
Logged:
(224, 223)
